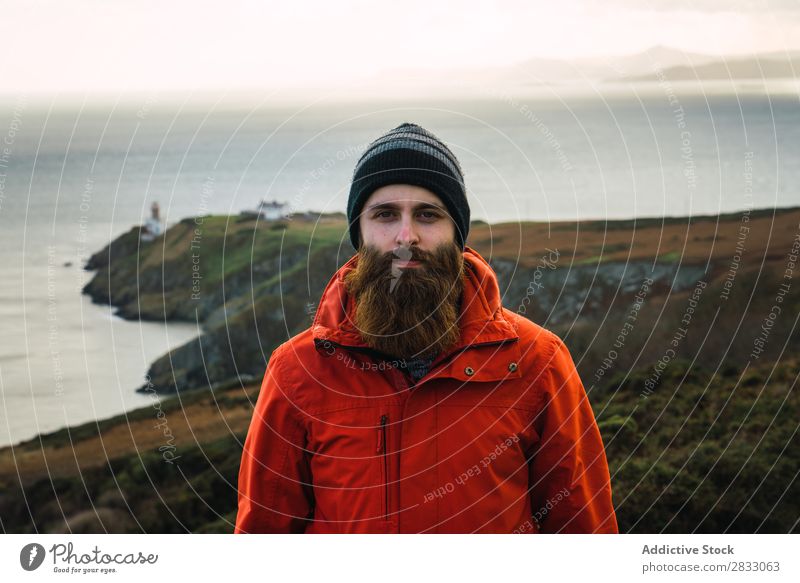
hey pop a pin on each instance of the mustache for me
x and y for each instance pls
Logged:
(410, 254)
(384, 262)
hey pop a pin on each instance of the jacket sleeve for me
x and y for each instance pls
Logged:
(275, 493)
(570, 486)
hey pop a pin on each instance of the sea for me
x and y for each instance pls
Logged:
(77, 171)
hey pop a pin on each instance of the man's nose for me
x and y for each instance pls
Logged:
(407, 235)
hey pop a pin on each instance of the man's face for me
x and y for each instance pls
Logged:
(400, 217)
(409, 276)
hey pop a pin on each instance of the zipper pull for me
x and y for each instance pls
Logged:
(381, 433)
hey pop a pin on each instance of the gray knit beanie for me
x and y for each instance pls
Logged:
(409, 154)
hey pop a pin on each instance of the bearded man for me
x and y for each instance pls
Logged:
(415, 402)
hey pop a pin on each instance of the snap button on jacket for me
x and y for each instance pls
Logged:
(497, 437)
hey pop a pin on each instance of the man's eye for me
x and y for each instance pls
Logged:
(425, 215)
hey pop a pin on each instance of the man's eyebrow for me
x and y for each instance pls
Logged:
(394, 206)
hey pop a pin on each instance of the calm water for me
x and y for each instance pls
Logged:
(76, 175)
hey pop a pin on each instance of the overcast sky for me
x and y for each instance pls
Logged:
(118, 45)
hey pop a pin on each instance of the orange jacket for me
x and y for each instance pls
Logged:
(497, 437)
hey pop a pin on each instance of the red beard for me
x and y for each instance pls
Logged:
(408, 312)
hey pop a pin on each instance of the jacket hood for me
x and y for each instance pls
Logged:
(481, 318)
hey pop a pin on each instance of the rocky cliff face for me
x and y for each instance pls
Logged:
(561, 294)
(240, 335)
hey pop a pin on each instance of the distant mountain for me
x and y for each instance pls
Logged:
(676, 65)
(598, 68)
(540, 71)
(739, 69)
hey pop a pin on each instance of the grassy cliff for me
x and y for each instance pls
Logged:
(245, 282)
(250, 283)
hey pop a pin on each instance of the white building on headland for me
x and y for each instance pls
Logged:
(153, 226)
(271, 210)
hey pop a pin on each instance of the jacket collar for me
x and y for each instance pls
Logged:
(482, 320)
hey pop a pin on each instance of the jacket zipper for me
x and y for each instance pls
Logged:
(382, 449)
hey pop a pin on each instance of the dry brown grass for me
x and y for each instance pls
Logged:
(705, 238)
